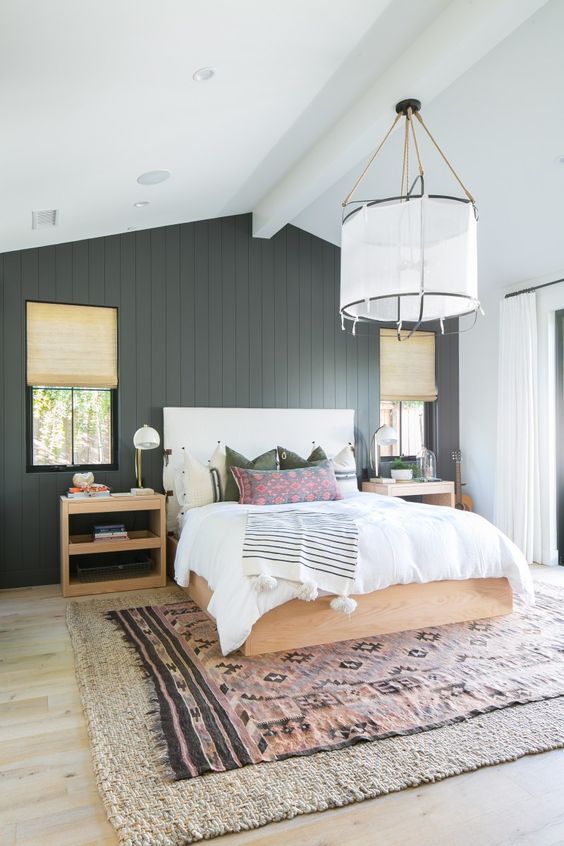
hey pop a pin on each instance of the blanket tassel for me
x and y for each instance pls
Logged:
(307, 591)
(346, 604)
(264, 583)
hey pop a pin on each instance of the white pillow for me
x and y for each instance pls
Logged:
(218, 462)
(344, 465)
(200, 483)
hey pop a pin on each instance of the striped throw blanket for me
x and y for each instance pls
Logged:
(317, 550)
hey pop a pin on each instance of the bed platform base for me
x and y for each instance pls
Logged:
(398, 608)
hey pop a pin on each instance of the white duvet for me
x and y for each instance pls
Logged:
(399, 542)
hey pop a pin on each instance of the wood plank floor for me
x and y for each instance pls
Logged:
(48, 795)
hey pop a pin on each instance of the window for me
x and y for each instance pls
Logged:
(71, 426)
(407, 388)
(408, 419)
(72, 381)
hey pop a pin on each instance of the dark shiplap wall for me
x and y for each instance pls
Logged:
(208, 316)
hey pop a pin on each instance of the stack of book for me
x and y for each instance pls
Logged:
(94, 490)
(110, 532)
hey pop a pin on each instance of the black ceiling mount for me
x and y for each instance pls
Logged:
(403, 106)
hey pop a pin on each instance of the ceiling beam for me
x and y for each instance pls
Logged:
(458, 38)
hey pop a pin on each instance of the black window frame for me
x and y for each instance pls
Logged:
(429, 431)
(61, 468)
(58, 468)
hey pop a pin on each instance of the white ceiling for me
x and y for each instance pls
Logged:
(92, 95)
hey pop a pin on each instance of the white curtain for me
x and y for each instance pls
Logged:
(517, 506)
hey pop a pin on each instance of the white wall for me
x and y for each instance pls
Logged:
(479, 351)
(478, 405)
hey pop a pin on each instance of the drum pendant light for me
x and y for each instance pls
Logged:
(410, 259)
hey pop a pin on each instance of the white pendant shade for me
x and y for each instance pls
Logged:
(409, 260)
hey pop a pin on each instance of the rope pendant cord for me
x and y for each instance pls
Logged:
(416, 145)
(405, 167)
(372, 157)
(446, 161)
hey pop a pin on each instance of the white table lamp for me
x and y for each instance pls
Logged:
(144, 438)
(384, 436)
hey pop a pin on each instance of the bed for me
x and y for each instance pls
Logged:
(418, 565)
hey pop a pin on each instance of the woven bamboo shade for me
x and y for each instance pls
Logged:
(407, 367)
(71, 345)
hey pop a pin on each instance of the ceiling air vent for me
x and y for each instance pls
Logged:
(44, 218)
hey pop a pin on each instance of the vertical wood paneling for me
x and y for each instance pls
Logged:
(3, 399)
(128, 373)
(173, 316)
(215, 315)
(158, 343)
(242, 342)
(293, 316)
(49, 485)
(31, 556)
(12, 514)
(63, 272)
(255, 324)
(201, 313)
(79, 271)
(268, 324)
(448, 406)
(304, 282)
(280, 320)
(96, 279)
(207, 316)
(228, 313)
(144, 339)
(188, 345)
(317, 317)
(330, 325)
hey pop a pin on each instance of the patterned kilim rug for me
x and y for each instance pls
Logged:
(188, 743)
(219, 713)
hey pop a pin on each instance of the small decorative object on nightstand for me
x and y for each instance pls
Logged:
(82, 480)
(427, 464)
(144, 438)
(144, 562)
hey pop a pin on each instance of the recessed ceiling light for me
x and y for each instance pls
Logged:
(153, 177)
(141, 203)
(203, 74)
(559, 160)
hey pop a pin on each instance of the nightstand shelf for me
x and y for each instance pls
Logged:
(86, 545)
(151, 540)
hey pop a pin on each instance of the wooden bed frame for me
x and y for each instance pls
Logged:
(398, 608)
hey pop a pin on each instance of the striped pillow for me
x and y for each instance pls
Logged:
(344, 465)
(279, 487)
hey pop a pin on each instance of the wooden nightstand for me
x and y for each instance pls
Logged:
(433, 493)
(152, 540)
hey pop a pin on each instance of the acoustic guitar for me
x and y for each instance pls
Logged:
(462, 501)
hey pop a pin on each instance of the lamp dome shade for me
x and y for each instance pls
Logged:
(386, 435)
(412, 261)
(146, 438)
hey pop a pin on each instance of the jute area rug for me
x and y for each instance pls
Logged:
(146, 807)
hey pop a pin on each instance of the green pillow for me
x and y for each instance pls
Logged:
(266, 461)
(292, 461)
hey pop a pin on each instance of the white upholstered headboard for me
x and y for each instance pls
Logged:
(250, 431)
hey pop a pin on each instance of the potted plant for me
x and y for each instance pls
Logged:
(401, 471)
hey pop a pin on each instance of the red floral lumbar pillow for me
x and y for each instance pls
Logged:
(278, 487)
